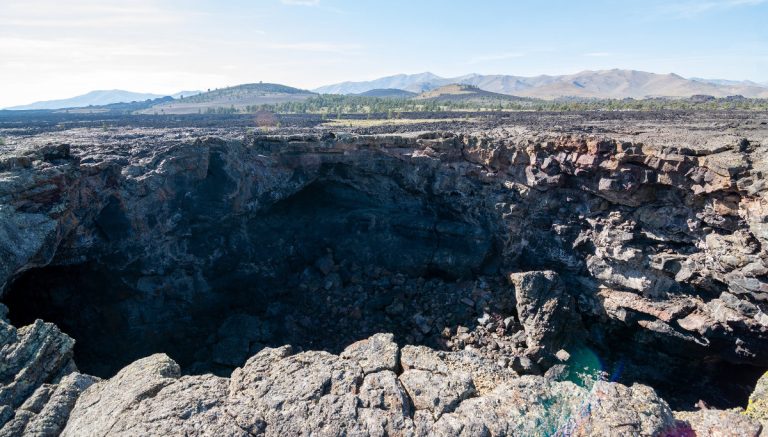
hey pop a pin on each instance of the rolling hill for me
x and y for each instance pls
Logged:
(463, 93)
(238, 97)
(586, 84)
(389, 93)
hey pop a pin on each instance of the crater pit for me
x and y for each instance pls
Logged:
(214, 250)
(326, 266)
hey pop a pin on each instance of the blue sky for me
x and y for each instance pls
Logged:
(54, 49)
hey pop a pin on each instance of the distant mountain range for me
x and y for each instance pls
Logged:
(414, 83)
(729, 82)
(604, 84)
(97, 98)
(616, 84)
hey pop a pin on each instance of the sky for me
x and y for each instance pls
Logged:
(51, 49)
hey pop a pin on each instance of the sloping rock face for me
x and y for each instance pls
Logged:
(516, 252)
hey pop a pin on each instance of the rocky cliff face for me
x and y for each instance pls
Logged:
(587, 262)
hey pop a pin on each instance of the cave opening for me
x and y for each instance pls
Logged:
(327, 266)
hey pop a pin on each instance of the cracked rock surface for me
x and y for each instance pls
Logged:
(279, 392)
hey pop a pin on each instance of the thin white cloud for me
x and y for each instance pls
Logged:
(314, 3)
(301, 2)
(495, 57)
(82, 14)
(67, 50)
(320, 47)
(689, 9)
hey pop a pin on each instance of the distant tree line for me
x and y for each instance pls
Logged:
(332, 105)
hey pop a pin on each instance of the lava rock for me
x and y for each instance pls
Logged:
(545, 310)
(719, 423)
(278, 392)
(435, 392)
(30, 357)
(46, 412)
(374, 354)
(758, 402)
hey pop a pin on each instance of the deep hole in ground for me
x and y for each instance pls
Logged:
(325, 267)
(337, 267)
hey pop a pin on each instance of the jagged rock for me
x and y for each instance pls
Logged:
(105, 407)
(558, 372)
(423, 358)
(46, 412)
(545, 310)
(532, 405)
(30, 357)
(719, 423)
(523, 365)
(432, 383)
(317, 387)
(387, 406)
(435, 392)
(374, 354)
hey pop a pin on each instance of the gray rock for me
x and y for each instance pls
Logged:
(545, 310)
(423, 358)
(524, 365)
(558, 372)
(534, 406)
(387, 409)
(47, 411)
(374, 354)
(30, 357)
(718, 423)
(104, 405)
(435, 392)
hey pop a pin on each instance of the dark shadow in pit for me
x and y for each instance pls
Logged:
(330, 265)
(114, 324)
(319, 270)
(685, 380)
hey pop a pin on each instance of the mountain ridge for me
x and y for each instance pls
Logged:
(96, 98)
(614, 83)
